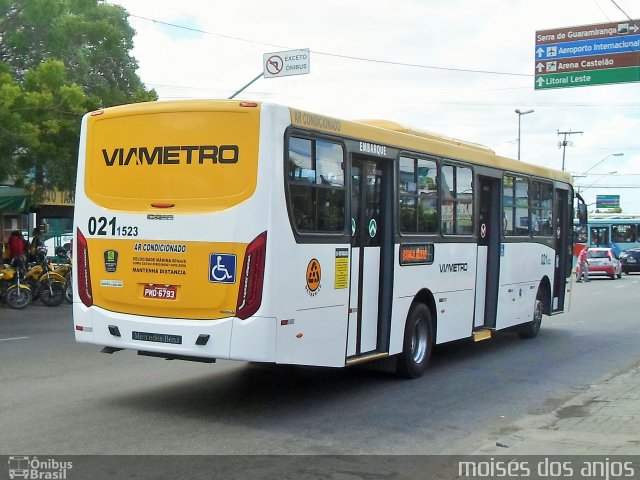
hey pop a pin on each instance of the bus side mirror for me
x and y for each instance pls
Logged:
(582, 213)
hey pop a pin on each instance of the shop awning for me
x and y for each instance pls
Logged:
(13, 199)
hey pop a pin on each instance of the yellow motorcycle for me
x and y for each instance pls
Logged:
(44, 282)
(13, 289)
(65, 269)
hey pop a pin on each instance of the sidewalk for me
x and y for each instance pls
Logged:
(604, 420)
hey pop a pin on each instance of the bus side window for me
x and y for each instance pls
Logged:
(508, 203)
(541, 208)
(515, 205)
(418, 195)
(456, 206)
(316, 185)
(623, 233)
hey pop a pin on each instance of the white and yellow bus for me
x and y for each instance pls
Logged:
(250, 231)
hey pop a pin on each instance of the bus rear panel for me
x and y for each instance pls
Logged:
(164, 265)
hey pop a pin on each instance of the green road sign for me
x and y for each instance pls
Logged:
(607, 201)
(587, 77)
(586, 55)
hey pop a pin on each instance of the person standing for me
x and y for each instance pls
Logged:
(36, 242)
(17, 246)
(583, 266)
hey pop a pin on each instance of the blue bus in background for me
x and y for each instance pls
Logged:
(616, 230)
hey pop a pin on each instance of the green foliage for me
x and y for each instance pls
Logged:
(58, 60)
(12, 130)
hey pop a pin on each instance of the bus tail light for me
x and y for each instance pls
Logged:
(84, 276)
(252, 277)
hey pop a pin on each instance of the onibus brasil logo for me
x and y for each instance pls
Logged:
(34, 468)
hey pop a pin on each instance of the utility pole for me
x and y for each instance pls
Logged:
(564, 143)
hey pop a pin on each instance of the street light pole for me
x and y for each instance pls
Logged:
(520, 113)
(598, 163)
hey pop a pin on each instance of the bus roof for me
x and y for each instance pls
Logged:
(397, 127)
(393, 134)
(377, 131)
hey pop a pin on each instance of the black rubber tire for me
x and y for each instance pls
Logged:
(68, 291)
(54, 297)
(531, 329)
(417, 344)
(33, 285)
(18, 298)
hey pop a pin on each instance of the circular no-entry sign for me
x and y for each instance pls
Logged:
(274, 64)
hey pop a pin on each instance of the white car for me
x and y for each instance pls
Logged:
(604, 261)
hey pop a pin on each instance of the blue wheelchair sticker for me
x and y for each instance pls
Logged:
(222, 268)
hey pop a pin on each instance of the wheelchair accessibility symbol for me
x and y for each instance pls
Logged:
(222, 268)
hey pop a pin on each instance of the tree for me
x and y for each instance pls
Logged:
(52, 109)
(91, 38)
(58, 60)
(12, 132)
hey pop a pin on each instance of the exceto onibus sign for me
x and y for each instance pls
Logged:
(282, 64)
(588, 55)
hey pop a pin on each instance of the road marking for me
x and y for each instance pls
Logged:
(14, 338)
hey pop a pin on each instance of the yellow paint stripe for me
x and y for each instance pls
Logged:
(367, 358)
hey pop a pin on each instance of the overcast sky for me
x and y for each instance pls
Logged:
(456, 67)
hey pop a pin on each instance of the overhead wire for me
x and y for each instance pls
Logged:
(335, 55)
(620, 8)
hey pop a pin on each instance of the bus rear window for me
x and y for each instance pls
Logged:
(195, 160)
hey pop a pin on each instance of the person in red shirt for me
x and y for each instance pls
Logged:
(17, 245)
(583, 266)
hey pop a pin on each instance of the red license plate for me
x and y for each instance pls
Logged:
(164, 292)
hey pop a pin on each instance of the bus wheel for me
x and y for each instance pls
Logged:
(418, 342)
(531, 329)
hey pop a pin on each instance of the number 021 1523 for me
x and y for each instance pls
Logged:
(164, 292)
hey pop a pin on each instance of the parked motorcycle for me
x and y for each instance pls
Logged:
(13, 289)
(65, 269)
(44, 282)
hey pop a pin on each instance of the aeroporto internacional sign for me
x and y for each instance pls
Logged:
(588, 55)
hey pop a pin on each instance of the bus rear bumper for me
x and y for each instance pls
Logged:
(228, 338)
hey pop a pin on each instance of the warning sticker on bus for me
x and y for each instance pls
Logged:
(164, 292)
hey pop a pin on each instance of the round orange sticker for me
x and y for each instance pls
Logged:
(314, 274)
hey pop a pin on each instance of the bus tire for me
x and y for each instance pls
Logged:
(417, 344)
(531, 329)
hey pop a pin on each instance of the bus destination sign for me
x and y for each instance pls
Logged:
(586, 55)
(416, 254)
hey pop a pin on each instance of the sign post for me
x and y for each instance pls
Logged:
(587, 55)
(282, 64)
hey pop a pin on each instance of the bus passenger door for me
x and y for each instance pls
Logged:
(371, 257)
(563, 260)
(488, 265)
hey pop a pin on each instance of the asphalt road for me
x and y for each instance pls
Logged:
(59, 397)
